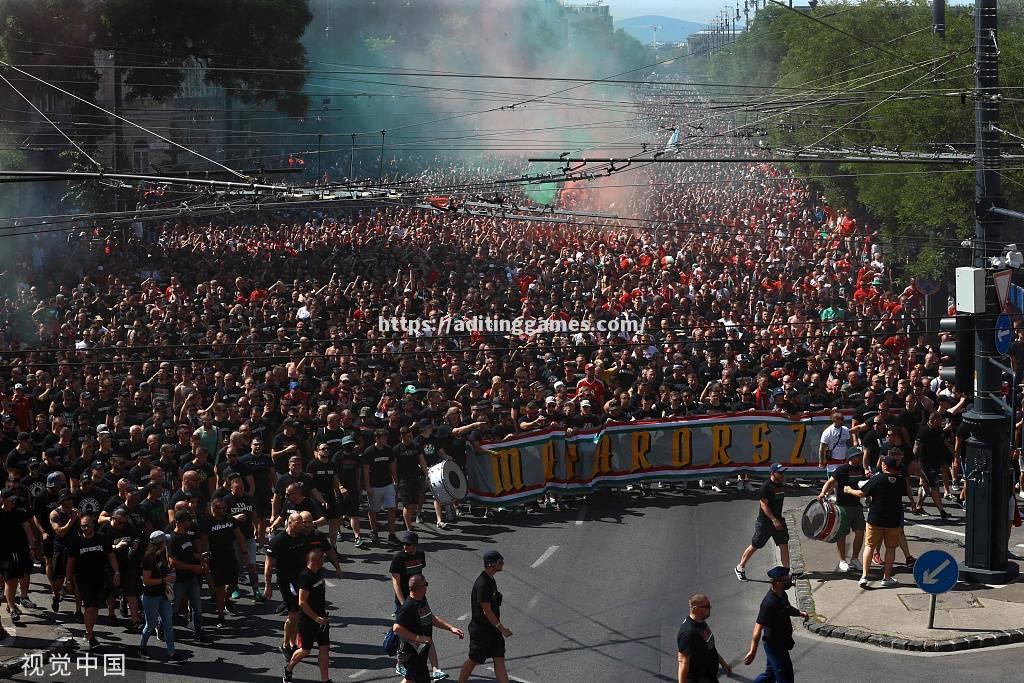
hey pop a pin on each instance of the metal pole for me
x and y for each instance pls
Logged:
(380, 172)
(987, 451)
(931, 611)
(118, 129)
(319, 139)
(352, 160)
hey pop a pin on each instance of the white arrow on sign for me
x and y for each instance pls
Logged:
(932, 577)
(1002, 333)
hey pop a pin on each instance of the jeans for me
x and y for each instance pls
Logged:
(779, 668)
(158, 607)
(190, 588)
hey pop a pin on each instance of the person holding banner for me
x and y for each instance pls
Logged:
(769, 523)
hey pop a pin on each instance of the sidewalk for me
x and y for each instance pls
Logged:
(969, 616)
(37, 634)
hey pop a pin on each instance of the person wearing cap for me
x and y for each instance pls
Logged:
(90, 562)
(885, 517)
(410, 561)
(157, 587)
(63, 521)
(774, 628)
(770, 522)
(16, 551)
(837, 482)
(414, 624)
(314, 626)
(697, 656)
(486, 632)
(188, 567)
(348, 465)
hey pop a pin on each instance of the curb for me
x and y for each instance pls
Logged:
(805, 600)
(62, 644)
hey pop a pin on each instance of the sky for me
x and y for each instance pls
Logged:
(691, 10)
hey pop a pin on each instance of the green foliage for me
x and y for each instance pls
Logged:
(834, 92)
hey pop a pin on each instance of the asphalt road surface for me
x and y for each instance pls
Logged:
(595, 593)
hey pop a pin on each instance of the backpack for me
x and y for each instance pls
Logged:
(390, 643)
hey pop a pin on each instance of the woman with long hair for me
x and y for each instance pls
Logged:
(157, 580)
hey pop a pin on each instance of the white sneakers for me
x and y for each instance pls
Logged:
(844, 566)
(889, 582)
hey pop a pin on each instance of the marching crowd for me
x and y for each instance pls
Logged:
(188, 405)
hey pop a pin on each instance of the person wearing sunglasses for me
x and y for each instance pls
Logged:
(698, 658)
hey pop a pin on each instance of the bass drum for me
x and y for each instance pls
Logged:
(823, 520)
(447, 482)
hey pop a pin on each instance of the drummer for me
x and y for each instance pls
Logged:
(843, 476)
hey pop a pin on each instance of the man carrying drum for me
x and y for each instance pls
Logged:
(839, 479)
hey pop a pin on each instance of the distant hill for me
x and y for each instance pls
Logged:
(671, 31)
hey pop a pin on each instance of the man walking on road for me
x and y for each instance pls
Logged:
(486, 632)
(769, 523)
(774, 626)
(314, 626)
(698, 658)
(838, 481)
(415, 624)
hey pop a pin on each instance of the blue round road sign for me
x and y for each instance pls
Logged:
(936, 572)
(1004, 334)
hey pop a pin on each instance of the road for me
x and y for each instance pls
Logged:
(591, 594)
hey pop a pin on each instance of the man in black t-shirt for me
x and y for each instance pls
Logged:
(769, 522)
(695, 643)
(408, 562)
(241, 507)
(323, 471)
(774, 625)
(841, 477)
(188, 567)
(91, 561)
(260, 477)
(286, 549)
(348, 465)
(380, 474)
(15, 551)
(931, 451)
(411, 465)
(314, 626)
(486, 632)
(885, 517)
(415, 624)
(220, 535)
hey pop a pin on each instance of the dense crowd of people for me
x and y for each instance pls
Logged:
(224, 389)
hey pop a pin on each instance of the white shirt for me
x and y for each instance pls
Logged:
(836, 440)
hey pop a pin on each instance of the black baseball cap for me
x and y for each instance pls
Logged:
(492, 557)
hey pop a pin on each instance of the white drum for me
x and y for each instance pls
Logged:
(447, 482)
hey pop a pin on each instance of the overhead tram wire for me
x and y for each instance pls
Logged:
(121, 118)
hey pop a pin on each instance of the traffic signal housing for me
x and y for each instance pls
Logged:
(957, 362)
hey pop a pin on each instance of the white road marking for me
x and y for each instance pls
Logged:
(533, 602)
(357, 674)
(464, 616)
(544, 556)
(581, 516)
(511, 678)
(940, 529)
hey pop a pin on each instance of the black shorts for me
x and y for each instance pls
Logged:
(290, 599)
(60, 563)
(312, 633)
(224, 568)
(349, 504)
(262, 507)
(931, 475)
(411, 490)
(131, 581)
(416, 666)
(93, 593)
(484, 645)
(332, 507)
(48, 547)
(17, 565)
(855, 516)
(763, 530)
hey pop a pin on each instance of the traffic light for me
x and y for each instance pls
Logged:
(957, 364)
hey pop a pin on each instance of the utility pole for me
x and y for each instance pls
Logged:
(986, 452)
(118, 129)
(352, 161)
